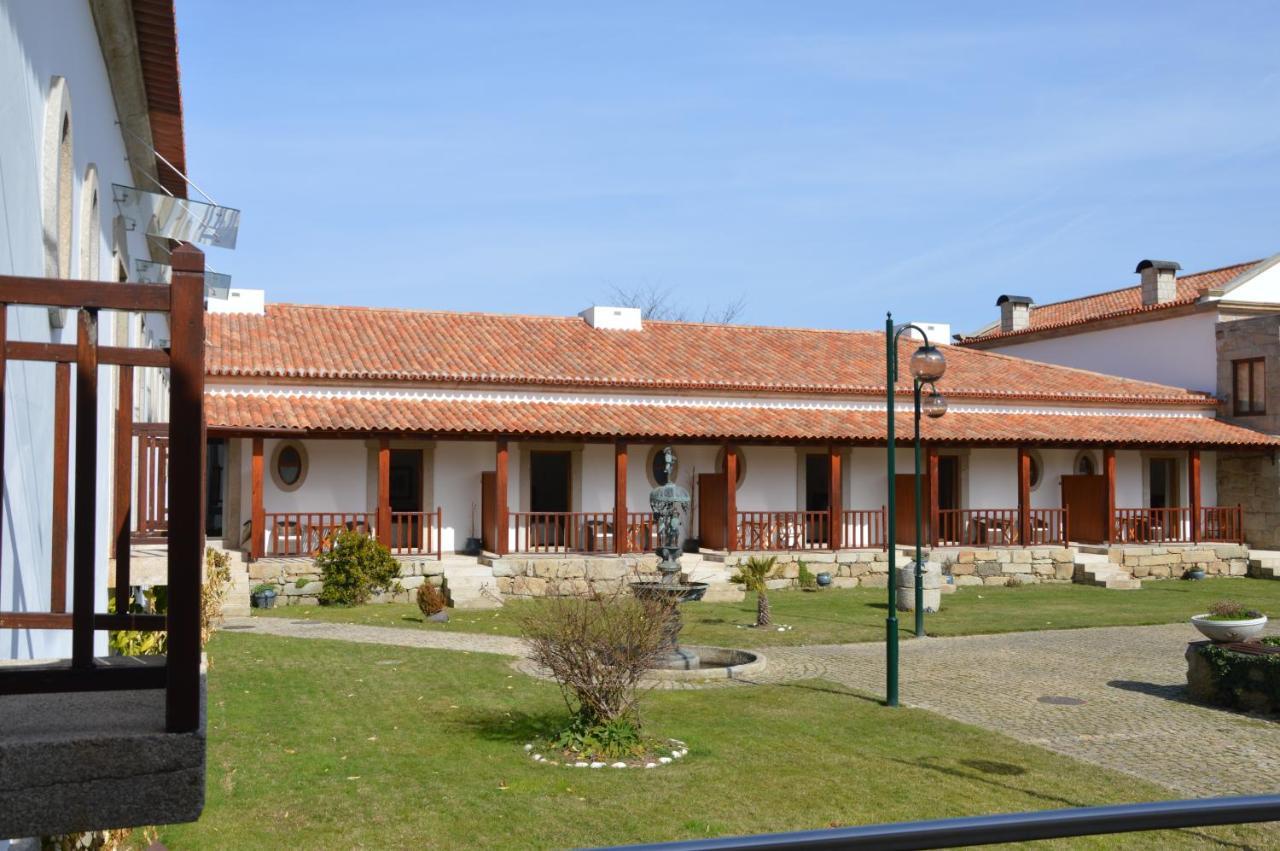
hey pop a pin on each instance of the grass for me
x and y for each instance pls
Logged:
(858, 614)
(322, 744)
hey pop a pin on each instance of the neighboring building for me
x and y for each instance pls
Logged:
(1212, 331)
(541, 434)
(89, 99)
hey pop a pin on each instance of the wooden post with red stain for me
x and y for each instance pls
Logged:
(731, 497)
(384, 490)
(61, 462)
(84, 545)
(621, 542)
(502, 534)
(1193, 475)
(1109, 490)
(931, 471)
(257, 518)
(123, 480)
(835, 492)
(1024, 496)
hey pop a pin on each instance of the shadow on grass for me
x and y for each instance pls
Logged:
(516, 727)
(819, 686)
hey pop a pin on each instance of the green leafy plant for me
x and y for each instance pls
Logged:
(617, 739)
(262, 588)
(431, 599)
(753, 576)
(132, 642)
(1230, 610)
(357, 567)
(805, 578)
(217, 584)
(300, 582)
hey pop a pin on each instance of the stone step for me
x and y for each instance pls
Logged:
(1093, 569)
(1122, 583)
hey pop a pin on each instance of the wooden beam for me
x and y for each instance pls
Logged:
(123, 485)
(66, 353)
(835, 497)
(257, 517)
(384, 490)
(1193, 477)
(1024, 495)
(620, 530)
(502, 535)
(84, 547)
(931, 471)
(60, 487)
(1109, 490)
(85, 294)
(186, 468)
(731, 497)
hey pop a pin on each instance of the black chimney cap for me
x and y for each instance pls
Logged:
(1015, 299)
(1162, 265)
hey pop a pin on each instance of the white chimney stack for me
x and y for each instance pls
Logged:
(1015, 312)
(1159, 281)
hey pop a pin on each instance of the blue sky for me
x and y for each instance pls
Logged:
(824, 161)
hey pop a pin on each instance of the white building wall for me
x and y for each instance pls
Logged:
(1180, 351)
(1208, 478)
(1129, 472)
(596, 489)
(456, 482)
(39, 41)
(992, 479)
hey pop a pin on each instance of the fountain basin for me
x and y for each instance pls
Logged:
(680, 592)
(715, 663)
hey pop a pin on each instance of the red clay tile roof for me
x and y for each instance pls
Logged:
(1122, 302)
(472, 418)
(318, 344)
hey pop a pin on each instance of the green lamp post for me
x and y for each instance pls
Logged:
(927, 365)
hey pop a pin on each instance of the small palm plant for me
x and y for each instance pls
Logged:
(753, 575)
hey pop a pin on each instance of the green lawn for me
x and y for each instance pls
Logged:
(321, 744)
(858, 614)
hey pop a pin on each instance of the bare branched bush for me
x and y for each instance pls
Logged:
(597, 649)
(431, 600)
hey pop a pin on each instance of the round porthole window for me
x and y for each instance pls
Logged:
(289, 467)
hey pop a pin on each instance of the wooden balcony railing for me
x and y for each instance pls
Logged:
(303, 533)
(417, 532)
(580, 532)
(1222, 525)
(1000, 527)
(784, 530)
(1048, 527)
(865, 529)
(177, 508)
(1173, 525)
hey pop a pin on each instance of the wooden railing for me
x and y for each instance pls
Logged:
(784, 530)
(417, 532)
(1224, 525)
(1048, 526)
(183, 489)
(1152, 525)
(152, 470)
(642, 535)
(563, 531)
(303, 533)
(976, 527)
(865, 529)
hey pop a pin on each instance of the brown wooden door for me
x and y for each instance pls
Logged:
(1085, 498)
(711, 493)
(904, 515)
(489, 510)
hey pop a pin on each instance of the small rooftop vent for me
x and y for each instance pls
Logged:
(1159, 281)
(239, 301)
(613, 318)
(939, 333)
(1015, 312)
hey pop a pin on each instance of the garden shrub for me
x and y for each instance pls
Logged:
(805, 577)
(431, 599)
(217, 584)
(357, 567)
(1244, 680)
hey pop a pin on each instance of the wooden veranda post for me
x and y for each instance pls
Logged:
(122, 510)
(83, 555)
(835, 497)
(384, 491)
(1193, 476)
(731, 497)
(502, 535)
(1109, 490)
(621, 536)
(931, 470)
(61, 467)
(257, 517)
(186, 477)
(1024, 496)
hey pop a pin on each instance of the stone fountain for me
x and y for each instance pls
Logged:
(670, 503)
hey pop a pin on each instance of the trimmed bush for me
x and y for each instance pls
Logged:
(355, 569)
(431, 599)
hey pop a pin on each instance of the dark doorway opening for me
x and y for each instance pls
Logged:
(549, 481)
(405, 495)
(214, 473)
(817, 482)
(1164, 483)
(948, 482)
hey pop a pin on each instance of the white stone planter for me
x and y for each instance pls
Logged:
(1241, 630)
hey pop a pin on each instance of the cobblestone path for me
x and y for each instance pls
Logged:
(1134, 717)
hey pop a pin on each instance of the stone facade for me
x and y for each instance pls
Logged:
(1172, 560)
(1252, 479)
(1013, 566)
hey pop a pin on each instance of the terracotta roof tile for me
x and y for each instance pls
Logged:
(361, 344)
(1122, 302)
(335, 413)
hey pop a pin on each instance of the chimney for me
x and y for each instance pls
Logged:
(613, 318)
(1015, 312)
(1159, 281)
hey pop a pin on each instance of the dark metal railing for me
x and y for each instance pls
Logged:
(1009, 827)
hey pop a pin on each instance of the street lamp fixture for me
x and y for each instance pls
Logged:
(927, 365)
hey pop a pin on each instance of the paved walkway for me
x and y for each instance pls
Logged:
(1133, 718)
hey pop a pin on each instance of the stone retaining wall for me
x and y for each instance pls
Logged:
(1013, 566)
(1170, 561)
(285, 574)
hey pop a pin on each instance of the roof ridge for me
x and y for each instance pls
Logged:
(1101, 293)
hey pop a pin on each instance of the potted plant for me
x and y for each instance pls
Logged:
(1194, 573)
(1227, 620)
(263, 596)
(824, 579)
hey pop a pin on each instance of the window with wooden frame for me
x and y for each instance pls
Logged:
(1249, 386)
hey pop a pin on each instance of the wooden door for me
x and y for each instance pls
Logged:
(1085, 498)
(904, 515)
(489, 510)
(711, 519)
